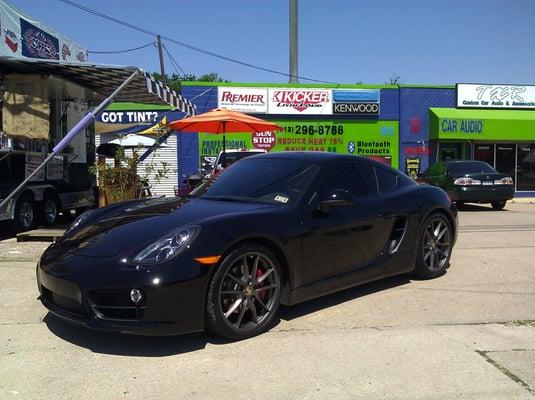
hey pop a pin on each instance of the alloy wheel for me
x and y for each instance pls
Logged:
(50, 211)
(249, 290)
(436, 243)
(26, 215)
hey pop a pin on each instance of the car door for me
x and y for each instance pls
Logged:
(346, 238)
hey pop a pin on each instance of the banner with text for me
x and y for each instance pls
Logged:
(495, 96)
(373, 139)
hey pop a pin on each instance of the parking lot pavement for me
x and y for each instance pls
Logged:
(468, 334)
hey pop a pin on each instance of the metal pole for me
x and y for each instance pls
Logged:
(79, 127)
(293, 42)
(160, 53)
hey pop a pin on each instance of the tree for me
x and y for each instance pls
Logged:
(394, 80)
(174, 80)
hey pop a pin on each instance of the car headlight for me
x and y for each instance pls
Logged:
(166, 247)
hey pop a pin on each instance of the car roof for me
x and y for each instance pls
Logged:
(316, 157)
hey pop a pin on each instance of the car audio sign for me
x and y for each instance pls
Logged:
(243, 99)
(495, 96)
(299, 101)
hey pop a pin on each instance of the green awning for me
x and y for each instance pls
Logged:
(485, 125)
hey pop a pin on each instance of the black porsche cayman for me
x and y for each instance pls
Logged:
(274, 228)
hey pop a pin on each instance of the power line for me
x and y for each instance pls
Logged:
(120, 51)
(186, 45)
(174, 62)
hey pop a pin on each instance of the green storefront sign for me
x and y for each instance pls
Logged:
(375, 139)
(486, 125)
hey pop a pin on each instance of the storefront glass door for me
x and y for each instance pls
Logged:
(484, 152)
(506, 159)
(526, 167)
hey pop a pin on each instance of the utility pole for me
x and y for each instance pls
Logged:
(160, 52)
(293, 42)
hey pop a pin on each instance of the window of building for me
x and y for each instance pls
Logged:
(525, 167)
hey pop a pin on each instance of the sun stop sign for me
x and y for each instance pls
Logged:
(264, 140)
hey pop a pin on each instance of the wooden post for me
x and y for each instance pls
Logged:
(101, 185)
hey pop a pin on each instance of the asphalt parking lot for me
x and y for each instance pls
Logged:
(469, 334)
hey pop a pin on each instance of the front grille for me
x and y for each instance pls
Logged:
(68, 304)
(115, 304)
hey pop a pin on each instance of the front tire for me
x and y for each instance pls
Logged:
(25, 213)
(244, 294)
(435, 242)
(498, 205)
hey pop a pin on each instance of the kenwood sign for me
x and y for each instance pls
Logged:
(495, 96)
(356, 102)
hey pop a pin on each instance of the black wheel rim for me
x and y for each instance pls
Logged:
(51, 211)
(436, 244)
(249, 291)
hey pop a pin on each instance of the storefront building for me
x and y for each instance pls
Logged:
(409, 127)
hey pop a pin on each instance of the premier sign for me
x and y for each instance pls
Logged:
(247, 100)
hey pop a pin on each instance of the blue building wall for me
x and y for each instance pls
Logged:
(414, 122)
(205, 98)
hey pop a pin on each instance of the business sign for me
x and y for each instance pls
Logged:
(356, 102)
(300, 101)
(130, 117)
(264, 140)
(372, 139)
(495, 96)
(21, 37)
(247, 100)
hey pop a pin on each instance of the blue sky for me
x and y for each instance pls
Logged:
(341, 41)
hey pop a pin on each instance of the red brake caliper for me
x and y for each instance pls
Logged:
(262, 294)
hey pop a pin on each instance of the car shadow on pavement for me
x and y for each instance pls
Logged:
(477, 207)
(129, 345)
(288, 313)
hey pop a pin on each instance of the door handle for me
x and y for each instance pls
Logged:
(386, 214)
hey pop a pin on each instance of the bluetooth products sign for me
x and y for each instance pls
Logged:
(356, 102)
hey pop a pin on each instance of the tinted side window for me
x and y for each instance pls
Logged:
(387, 180)
(367, 173)
(344, 177)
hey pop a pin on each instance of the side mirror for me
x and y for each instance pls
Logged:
(335, 198)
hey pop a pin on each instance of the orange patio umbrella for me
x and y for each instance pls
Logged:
(221, 121)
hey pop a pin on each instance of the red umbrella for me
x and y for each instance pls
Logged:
(221, 121)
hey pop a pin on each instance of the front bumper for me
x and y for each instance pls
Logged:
(171, 304)
(482, 194)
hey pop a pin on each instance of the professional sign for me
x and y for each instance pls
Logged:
(299, 101)
(29, 39)
(495, 96)
(373, 139)
(247, 100)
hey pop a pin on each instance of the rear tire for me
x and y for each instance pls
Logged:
(25, 213)
(435, 241)
(244, 294)
(498, 205)
(50, 209)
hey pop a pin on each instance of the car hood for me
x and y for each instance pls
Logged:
(131, 228)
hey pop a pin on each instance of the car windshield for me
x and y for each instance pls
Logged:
(270, 181)
(477, 167)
